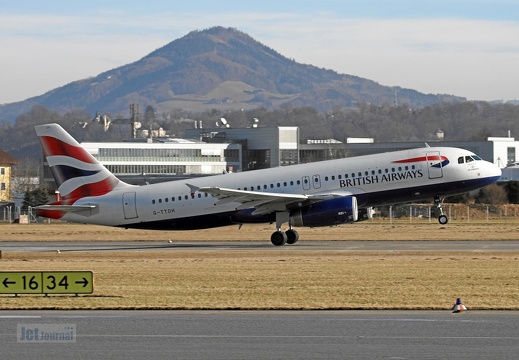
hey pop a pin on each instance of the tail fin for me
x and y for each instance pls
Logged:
(76, 172)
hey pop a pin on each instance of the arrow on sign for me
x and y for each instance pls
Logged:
(84, 282)
(6, 283)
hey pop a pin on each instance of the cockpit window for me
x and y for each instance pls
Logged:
(468, 158)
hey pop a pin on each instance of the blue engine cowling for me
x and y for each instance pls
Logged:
(326, 213)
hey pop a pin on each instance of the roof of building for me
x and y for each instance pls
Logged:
(5, 158)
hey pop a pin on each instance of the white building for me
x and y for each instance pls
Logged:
(505, 150)
(167, 158)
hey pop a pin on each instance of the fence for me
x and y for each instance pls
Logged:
(15, 214)
(455, 212)
(410, 212)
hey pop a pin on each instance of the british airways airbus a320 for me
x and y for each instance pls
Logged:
(323, 193)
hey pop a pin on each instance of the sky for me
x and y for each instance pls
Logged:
(467, 48)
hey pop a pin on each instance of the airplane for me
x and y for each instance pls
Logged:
(324, 193)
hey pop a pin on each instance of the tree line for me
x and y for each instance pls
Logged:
(467, 121)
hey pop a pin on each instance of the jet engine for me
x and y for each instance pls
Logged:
(326, 213)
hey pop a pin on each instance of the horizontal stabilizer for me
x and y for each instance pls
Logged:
(67, 208)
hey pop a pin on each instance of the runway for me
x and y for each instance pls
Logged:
(312, 334)
(268, 334)
(352, 246)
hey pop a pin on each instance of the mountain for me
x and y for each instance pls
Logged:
(218, 68)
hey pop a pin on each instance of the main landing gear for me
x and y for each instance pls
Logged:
(279, 237)
(438, 200)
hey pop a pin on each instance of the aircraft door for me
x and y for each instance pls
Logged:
(316, 181)
(129, 205)
(306, 183)
(434, 165)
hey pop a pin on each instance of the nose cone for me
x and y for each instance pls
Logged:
(493, 172)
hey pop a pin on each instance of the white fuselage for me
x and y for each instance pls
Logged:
(389, 178)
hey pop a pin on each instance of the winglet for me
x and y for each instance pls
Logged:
(193, 188)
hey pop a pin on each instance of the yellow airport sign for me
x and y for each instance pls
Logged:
(27, 282)
(68, 282)
(46, 282)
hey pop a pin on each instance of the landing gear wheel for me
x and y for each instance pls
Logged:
(292, 236)
(438, 200)
(279, 238)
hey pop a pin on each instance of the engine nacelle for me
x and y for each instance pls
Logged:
(326, 213)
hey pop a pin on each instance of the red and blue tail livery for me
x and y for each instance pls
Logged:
(76, 172)
(324, 193)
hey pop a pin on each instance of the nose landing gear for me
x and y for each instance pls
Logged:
(438, 200)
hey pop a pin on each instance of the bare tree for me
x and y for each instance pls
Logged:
(492, 195)
(26, 176)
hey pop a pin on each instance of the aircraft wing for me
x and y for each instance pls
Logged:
(263, 202)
